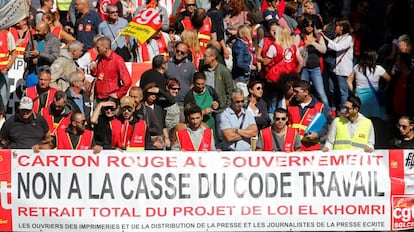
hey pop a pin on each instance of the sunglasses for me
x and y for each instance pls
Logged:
(180, 52)
(191, 4)
(109, 108)
(176, 89)
(259, 88)
(152, 93)
(309, 25)
(238, 102)
(278, 119)
(126, 108)
(348, 108)
(404, 127)
(113, 12)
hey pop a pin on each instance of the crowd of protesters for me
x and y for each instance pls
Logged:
(236, 76)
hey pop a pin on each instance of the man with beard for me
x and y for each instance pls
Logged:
(76, 136)
(194, 135)
(57, 115)
(134, 131)
(218, 76)
(352, 132)
(182, 69)
(279, 137)
(41, 53)
(25, 130)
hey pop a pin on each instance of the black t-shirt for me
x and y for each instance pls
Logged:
(399, 143)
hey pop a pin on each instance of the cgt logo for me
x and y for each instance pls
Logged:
(403, 212)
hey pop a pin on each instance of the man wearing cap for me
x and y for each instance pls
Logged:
(25, 129)
(134, 133)
(76, 136)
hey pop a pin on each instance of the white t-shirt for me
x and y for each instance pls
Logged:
(362, 82)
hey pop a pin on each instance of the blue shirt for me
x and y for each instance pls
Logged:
(229, 119)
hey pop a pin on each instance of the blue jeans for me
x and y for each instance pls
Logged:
(343, 89)
(314, 75)
(4, 88)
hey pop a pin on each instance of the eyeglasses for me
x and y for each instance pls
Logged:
(404, 127)
(126, 108)
(152, 93)
(81, 122)
(348, 108)
(298, 91)
(259, 88)
(175, 88)
(278, 119)
(113, 12)
(191, 4)
(109, 108)
(238, 102)
(180, 52)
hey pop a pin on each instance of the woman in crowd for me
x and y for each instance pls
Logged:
(172, 117)
(151, 92)
(256, 104)
(405, 139)
(45, 7)
(309, 10)
(56, 28)
(106, 127)
(343, 46)
(312, 46)
(237, 17)
(244, 61)
(366, 75)
(190, 37)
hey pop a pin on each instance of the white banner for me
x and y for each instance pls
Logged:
(198, 191)
(11, 12)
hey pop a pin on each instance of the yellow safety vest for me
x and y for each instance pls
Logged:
(343, 140)
(63, 5)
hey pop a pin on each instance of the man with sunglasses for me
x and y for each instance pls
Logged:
(279, 137)
(183, 69)
(76, 136)
(236, 124)
(302, 110)
(111, 29)
(190, 7)
(351, 132)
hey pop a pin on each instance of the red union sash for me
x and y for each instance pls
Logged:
(145, 24)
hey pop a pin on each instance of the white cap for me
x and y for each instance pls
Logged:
(26, 103)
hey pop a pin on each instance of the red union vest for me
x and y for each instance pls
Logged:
(284, 62)
(32, 93)
(137, 141)
(187, 144)
(116, 126)
(4, 50)
(204, 33)
(300, 124)
(288, 143)
(63, 141)
(22, 47)
(162, 48)
(54, 127)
